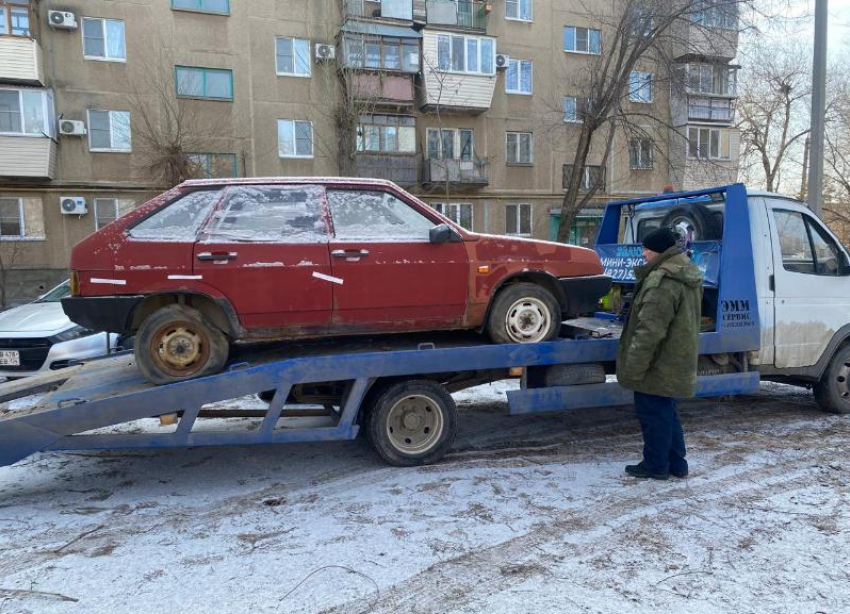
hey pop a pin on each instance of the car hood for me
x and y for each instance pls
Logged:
(34, 318)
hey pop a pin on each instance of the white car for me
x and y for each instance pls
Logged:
(39, 337)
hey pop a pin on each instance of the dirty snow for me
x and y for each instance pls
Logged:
(527, 515)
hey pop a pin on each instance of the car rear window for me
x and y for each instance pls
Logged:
(179, 221)
(282, 214)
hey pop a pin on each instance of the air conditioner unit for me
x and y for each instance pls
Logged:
(62, 20)
(73, 205)
(72, 127)
(502, 60)
(325, 52)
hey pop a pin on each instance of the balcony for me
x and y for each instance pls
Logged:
(402, 169)
(463, 14)
(710, 109)
(384, 89)
(406, 10)
(20, 60)
(458, 173)
(32, 157)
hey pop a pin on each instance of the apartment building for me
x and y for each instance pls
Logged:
(473, 105)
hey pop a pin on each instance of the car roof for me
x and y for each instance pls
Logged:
(354, 181)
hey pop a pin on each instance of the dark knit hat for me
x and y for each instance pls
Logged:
(660, 240)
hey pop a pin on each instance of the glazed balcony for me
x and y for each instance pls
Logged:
(402, 169)
(719, 110)
(21, 60)
(384, 89)
(461, 14)
(474, 173)
(24, 156)
(406, 10)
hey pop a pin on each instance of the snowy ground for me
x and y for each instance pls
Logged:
(527, 515)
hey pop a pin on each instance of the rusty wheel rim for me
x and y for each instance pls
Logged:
(180, 348)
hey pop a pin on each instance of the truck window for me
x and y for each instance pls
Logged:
(806, 246)
(178, 221)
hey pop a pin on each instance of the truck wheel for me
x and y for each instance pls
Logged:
(832, 392)
(524, 313)
(696, 219)
(413, 423)
(176, 343)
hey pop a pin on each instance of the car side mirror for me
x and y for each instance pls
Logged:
(443, 233)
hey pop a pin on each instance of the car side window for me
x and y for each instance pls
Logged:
(178, 221)
(794, 242)
(279, 214)
(829, 258)
(371, 215)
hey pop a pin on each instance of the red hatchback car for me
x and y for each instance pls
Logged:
(210, 263)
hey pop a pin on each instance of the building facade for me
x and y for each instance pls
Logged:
(473, 105)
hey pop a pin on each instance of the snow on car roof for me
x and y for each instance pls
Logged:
(358, 181)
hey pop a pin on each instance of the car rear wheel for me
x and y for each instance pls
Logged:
(524, 313)
(176, 343)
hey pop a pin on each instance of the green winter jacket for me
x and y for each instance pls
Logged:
(658, 348)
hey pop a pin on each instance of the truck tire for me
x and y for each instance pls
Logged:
(524, 313)
(574, 375)
(177, 343)
(832, 392)
(412, 423)
(697, 218)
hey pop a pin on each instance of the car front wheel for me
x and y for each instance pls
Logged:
(176, 343)
(524, 313)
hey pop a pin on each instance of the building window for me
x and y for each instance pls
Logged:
(593, 176)
(207, 83)
(15, 18)
(520, 148)
(450, 144)
(212, 165)
(519, 77)
(709, 143)
(712, 79)
(640, 154)
(582, 40)
(466, 54)
(518, 9)
(109, 131)
(640, 86)
(293, 56)
(221, 7)
(26, 111)
(387, 134)
(575, 108)
(105, 212)
(714, 14)
(518, 220)
(294, 138)
(459, 213)
(382, 53)
(12, 218)
(103, 39)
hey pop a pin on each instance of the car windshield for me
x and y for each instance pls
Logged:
(57, 294)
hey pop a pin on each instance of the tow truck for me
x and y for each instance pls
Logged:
(776, 306)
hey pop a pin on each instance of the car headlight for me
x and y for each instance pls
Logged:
(72, 333)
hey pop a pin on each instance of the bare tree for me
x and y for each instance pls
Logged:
(637, 34)
(10, 252)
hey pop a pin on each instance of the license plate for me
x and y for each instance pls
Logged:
(10, 358)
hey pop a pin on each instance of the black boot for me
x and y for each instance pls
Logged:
(638, 471)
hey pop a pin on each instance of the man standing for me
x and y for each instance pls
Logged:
(657, 355)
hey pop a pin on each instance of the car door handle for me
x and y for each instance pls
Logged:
(217, 256)
(349, 253)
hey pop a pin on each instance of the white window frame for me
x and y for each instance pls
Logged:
(518, 4)
(636, 144)
(720, 132)
(519, 148)
(519, 65)
(575, 40)
(111, 131)
(457, 142)
(105, 57)
(519, 232)
(479, 47)
(640, 81)
(97, 203)
(295, 155)
(586, 179)
(453, 212)
(23, 233)
(281, 73)
(47, 126)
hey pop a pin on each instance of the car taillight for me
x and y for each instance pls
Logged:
(75, 284)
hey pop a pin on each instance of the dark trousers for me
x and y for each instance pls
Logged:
(663, 438)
